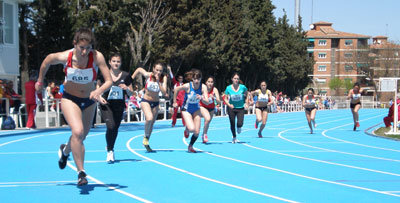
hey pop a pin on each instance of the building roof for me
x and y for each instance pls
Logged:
(324, 29)
(380, 37)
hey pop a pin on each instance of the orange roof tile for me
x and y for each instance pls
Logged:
(380, 37)
(331, 33)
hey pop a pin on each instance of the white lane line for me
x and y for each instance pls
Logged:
(295, 174)
(71, 166)
(336, 151)
(37, 182)
(111, 187)
(322, 161)
(355, 143)
(28, 138)
(203, 177)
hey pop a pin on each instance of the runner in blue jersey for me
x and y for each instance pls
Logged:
(195, 92)
(236, 101)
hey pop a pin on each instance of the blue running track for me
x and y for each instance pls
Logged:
(335, 164)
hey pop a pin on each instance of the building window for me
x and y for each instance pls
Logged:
(348, 55)
(322, 42)
(8, 25)
(322, 68)
(348, 67)
(321, 55)
(348, 42)
(321, 80)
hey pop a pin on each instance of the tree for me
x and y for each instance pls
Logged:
(291, 62)
(141, 37)
(335, 84)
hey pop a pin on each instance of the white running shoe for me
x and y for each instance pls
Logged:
(110, 157)
(239, 130)
(234, 140)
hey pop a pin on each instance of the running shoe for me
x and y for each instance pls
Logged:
(239, 130)
(148, 149)
(82, 178)
(186, 133)
(259, 135)
(355, 127)
(256, 125)
(145, 141)
(357, 124)
(62, 162)
(146, 144)
(234, 140)
(190, 149)
(205, 138)
(110, 157)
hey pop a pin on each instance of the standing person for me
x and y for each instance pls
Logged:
(263, 103)
(155, 82)
(195, 91)
(355, 103)
(113, 110)
(207, 110)
(30, 100)
(179, 98)
(310, 106)
(236, 100)
(80, 95)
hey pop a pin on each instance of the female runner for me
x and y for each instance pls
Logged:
(207, 110)
(195, 91)
(80, 94)
(155, 82)
(262, 106)
(309, 104)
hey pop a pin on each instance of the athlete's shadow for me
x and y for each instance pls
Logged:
(213, 143)
(126, 160)
(86, 189)
(160, 150)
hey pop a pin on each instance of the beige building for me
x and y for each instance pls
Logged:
(335, 54)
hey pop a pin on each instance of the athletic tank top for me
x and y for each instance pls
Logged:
(310, 102)
(262, 97)
(78, 75)
(211, 102)
(356, 96)
(151, 85)
(191, 100)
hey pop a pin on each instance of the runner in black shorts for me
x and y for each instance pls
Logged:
(262, 106)
(309, 104)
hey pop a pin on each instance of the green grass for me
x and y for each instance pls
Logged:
(382, 130)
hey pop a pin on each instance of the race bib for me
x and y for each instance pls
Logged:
(237, 97)
(115, 93)
(192, 99)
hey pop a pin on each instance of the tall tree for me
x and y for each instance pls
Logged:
(292, 65)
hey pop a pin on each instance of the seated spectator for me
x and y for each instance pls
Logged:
(15, 99)
(389, 118)
(134, 101)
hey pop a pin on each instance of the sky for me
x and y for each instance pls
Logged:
(366, 17)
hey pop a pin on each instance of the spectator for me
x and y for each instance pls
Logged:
(390, 117)
(30, 100)
(57, 96)
(15, 99)
(50, 87)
